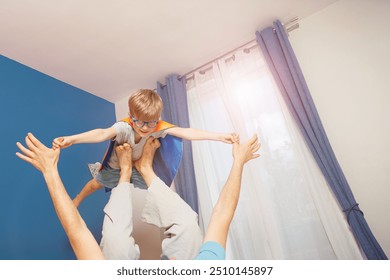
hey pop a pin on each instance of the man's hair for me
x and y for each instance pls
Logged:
(146, 104)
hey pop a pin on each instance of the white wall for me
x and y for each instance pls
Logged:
(122, 109)
(344, 53)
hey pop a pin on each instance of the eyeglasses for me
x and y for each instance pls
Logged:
(140, 124)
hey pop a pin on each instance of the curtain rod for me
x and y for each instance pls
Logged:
(289, 26)
(217, 58)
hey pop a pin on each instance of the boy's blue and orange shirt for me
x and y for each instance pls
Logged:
(167, 158)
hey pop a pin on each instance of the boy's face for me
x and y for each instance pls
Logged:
(143, 127)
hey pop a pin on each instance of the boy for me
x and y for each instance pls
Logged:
(145, 108)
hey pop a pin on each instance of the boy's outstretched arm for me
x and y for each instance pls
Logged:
(45, 160)
(225, 207)
(92, 136)
(196, 134)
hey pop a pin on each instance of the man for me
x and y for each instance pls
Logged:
(82, 241)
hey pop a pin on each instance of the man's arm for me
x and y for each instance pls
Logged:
(45, 160)
(196, 134)
(93, 136)
(225, 207)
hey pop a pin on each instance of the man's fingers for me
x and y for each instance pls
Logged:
(255, 156)
(256, 147)
(35, 141)
(253, 140)
(25, 151)
(253, 143)
(30, 144)
(23, 157)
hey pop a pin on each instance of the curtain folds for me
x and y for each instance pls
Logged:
(174, 97)
(284, 66)
(286, 210)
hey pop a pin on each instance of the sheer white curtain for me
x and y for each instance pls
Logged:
(286, 210)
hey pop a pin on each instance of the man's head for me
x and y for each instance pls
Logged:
(145, 107)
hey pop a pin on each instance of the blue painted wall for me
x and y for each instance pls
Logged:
(34, 102)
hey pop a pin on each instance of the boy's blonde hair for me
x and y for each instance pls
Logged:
(146, 104)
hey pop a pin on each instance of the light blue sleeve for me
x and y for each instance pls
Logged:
(211, 250)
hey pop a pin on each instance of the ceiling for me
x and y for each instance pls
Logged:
(111, 48)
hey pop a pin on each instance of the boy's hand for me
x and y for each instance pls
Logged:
(62, 142)
(242, 153)
(230, 138)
